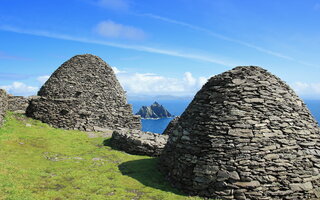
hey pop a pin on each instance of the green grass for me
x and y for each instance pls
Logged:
(40, 162)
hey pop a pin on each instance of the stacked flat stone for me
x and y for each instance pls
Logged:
(18, 104)
(138, 142)
(3, 105)
(83, 93)
(245, 135)
(171, 125)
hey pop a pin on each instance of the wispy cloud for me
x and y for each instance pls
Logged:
(111, 29)
(226, 38)
(114, 4)
(169, 52)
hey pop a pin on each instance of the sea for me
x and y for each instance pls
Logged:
(176, 107)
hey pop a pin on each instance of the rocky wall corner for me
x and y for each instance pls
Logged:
(138, 142)
(3, 105)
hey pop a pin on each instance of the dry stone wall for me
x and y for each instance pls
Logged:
(18, 104)
(245, 135)
(138, 142)
(3, 105)
(83, 93)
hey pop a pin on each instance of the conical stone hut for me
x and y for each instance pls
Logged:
(83, 93)
(245, 135)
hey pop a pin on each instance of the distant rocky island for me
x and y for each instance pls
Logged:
(155, 111)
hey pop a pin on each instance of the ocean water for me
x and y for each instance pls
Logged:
(176, 107)
(314, 107)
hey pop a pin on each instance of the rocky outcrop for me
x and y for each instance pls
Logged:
(171, 125)
(18, 104)
(138, 142)
(245, 135)
(3, 105)
(155, 111)
(83, 93)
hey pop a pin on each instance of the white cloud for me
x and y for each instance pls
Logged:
(43, 79)
(189, 79)
(307, 89)
(19, 88)
(169, 52)
(117, 71)
(111, 29)
(114, 4)
(153, 84)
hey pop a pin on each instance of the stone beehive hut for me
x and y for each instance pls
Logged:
(83, 94)
(245, 135)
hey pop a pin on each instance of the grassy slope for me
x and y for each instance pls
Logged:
(40, 162)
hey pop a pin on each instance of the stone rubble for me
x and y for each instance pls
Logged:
(245, 135)
(84, 94)
(138, 142)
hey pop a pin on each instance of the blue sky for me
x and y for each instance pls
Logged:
(167, 47)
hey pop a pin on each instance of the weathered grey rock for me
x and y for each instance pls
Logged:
(245, 135)
(3, 105)
(18, 104)
(138, 142)
(83, 93)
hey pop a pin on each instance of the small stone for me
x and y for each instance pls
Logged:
(307, 144)
(241, 132)
(271, 156)
(296, 187)
(253, 100)
(202, 179)
(251, 184)
(238, 81)
(234, 175)
(223, 175)
(185, 138)
(268, 148)
(270, 178)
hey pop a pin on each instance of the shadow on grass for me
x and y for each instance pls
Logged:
(107, 142)
(146, 172)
